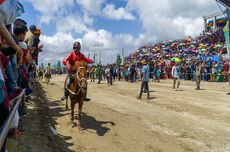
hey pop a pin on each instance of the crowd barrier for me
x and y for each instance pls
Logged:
(6, 126)
(193, 74)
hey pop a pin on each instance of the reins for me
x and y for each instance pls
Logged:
(78, 81)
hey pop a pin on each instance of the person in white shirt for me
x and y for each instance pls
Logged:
(107, 73)
(176, 76)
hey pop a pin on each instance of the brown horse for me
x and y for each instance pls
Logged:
(78, 89)
(40, 75)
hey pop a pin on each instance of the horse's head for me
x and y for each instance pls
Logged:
(81, 75)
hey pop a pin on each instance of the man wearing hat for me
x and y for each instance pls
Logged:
(145, 79)
(29, 39)
(69, 62)
(36, 46)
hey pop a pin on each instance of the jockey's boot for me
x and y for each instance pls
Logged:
(66, 92)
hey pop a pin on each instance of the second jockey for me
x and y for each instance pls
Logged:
(69, 62)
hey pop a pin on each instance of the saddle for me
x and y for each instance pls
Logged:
(40, 73)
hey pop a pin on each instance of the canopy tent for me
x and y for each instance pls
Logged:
(226, 3)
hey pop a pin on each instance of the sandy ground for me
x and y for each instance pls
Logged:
(116, 121)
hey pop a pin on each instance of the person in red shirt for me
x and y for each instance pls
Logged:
(69, 62)
(75, 56)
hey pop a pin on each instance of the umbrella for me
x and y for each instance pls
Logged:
(218, 45)
(176, 59)
(182, 44)
(202, 51)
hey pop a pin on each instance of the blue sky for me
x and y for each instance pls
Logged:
(109, 25)
(117, 27)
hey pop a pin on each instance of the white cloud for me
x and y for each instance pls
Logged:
(71, 23)
(167, 19)
(93, 7)
(87, 19)
(110, 45)
(118, 14)
(51, 9)
(57, 46)
(161, 20)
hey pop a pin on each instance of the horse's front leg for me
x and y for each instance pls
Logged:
(72, 110)
(79, 114)
(66, 104)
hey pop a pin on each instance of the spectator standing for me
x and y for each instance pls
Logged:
(107, 73)
(198, 74)
(111, 75)
(145, 79)
(132, 73)
(99, 73)
(176, 76)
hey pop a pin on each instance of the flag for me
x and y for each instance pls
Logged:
(1, 1)
(226, 34)
(20, 9)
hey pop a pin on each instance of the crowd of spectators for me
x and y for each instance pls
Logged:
(19, 48)
(209, 48)
(208, 51)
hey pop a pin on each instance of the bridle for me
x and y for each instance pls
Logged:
(79, 80)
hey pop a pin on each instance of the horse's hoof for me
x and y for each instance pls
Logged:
(81, 131)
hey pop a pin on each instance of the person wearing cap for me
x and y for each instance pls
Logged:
(69, 62)
(36, 46)
(29, 39)
(145, 79)
(20, 32)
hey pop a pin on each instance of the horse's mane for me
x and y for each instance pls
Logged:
(81, 64)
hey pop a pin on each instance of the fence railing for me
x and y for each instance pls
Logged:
(202, 75)
(6, 126)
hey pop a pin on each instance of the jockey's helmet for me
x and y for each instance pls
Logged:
(77, 45)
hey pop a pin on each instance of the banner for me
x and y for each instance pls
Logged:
(226, 34)
(212, 58)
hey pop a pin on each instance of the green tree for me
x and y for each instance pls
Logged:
(118, 60)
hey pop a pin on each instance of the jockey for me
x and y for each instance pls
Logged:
(40, 69)
(48, 69)
(69, 62)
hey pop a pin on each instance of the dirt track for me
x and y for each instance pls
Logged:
(116, 121)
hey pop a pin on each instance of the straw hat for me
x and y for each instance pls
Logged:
(143, 62)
